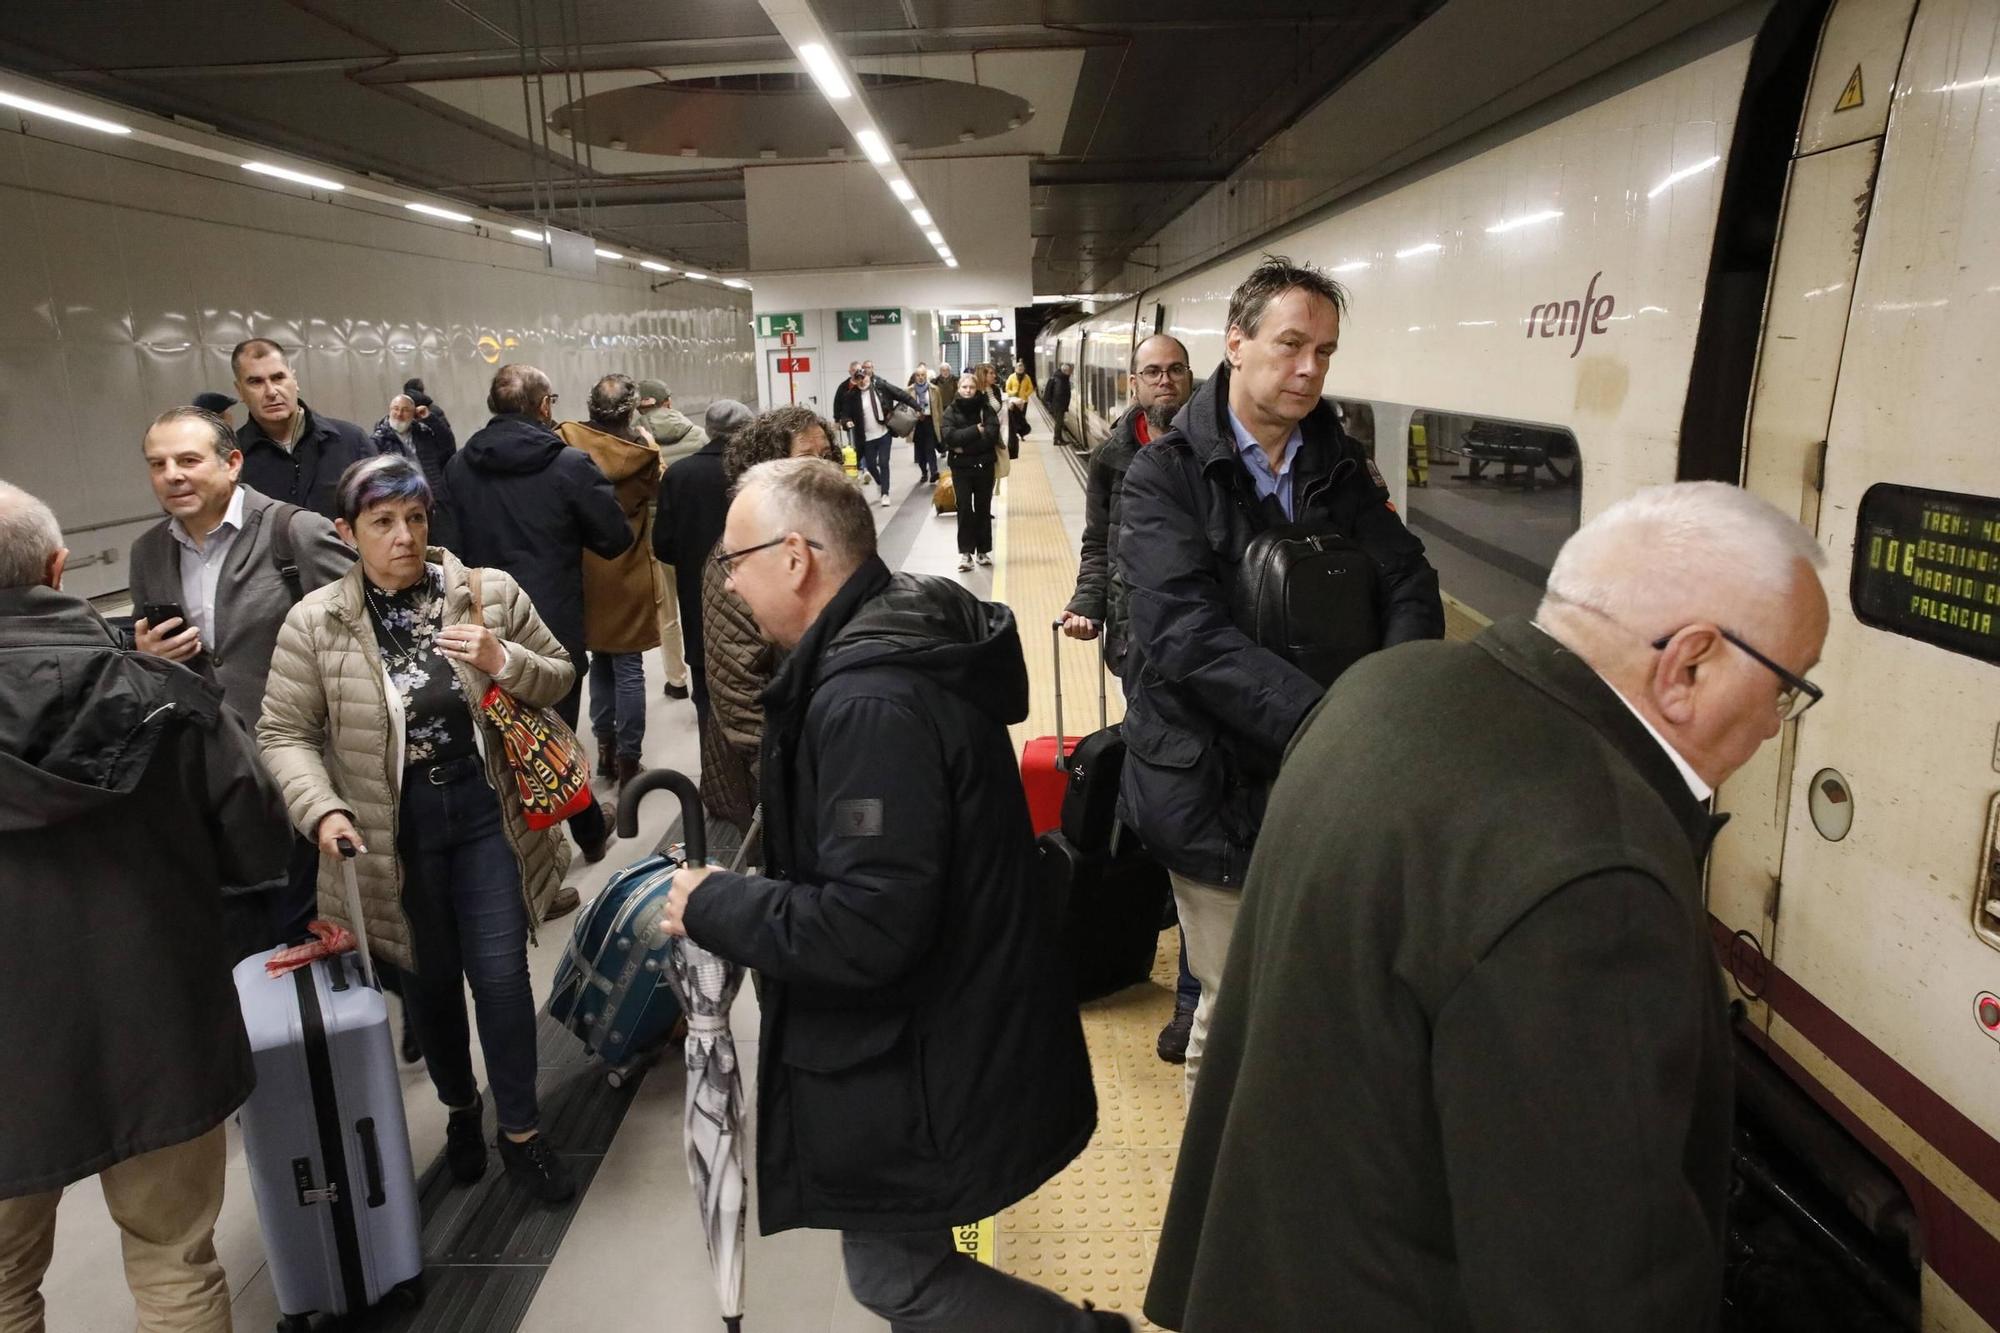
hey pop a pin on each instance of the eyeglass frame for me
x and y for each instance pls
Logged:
(1796, 686)
(1160, 374)
(725, 559)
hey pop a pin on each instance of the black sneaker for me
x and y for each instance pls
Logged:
(535, 1165)
(1106, 1320)
(1174, 1037)
(673, 691)
(409, 1047)
(464, 1145)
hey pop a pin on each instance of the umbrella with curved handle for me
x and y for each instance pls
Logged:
(712, 1128)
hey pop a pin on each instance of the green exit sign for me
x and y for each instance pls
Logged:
(770, 326)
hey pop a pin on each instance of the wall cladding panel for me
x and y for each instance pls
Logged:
(128, 281)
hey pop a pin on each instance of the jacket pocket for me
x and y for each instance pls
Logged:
(1154, 740)
(861, 1117)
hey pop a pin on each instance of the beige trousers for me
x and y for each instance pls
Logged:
(165, 1203)
(1208, 919)
(667, 606)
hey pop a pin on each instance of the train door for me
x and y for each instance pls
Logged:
(1875, 833)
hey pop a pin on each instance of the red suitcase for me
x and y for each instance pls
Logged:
(1044, 762)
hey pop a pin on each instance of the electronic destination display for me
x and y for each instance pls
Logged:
(1927, 566)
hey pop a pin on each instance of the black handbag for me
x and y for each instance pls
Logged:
(1311, 596)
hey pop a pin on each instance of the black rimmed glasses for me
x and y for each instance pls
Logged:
(1156, 374)
(1799, 693)
(726, 560)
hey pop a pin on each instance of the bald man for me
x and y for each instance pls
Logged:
(1476, 1073)
(420, 431)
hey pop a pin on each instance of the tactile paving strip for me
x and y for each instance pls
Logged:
(1090, 1233)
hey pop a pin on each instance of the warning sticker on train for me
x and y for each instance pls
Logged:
(1927, 566)
(1851, 96)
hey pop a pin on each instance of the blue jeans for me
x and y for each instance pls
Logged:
(469, 924)
(926, 449)
(618, 699)
(875, 457)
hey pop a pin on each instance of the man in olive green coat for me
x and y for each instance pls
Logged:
(1473, 1069)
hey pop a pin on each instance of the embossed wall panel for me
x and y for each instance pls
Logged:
(126, 282)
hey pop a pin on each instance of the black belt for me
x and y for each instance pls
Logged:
(450, 771)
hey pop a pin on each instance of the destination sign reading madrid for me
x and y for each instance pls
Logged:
(1927, 565)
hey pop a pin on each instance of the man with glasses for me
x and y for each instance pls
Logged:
(1478, 1033)
(925, 1063)
(531, 505)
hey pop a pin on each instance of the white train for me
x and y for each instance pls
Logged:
(1776, 261)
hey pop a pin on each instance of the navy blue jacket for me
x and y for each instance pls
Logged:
(921, 1061)
(1209, 711)
(531, 505)
(308, 474)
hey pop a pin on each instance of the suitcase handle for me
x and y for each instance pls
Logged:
(348, 852)
(1055, 652)
(694, 826)
(371, 1162)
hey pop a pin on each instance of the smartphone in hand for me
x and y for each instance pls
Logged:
(156, 614)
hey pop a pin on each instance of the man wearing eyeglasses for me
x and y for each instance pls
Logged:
(1475, 1028)
(531, 505)
(922, 1059)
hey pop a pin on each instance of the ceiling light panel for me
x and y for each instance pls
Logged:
(826, 71)
(433, 211)
(53, 112)
(296, 177)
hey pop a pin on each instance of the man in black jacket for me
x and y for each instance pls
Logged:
(1210, 711)
(921, 1060)
(1475, 1073)
(290, 453)
(864, 403)
(1056, 395)
(694, 502)
(531, 505)
(128, 794)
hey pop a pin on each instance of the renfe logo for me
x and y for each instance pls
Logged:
(1560, 319)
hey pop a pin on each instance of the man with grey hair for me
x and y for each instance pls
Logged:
(211, 585)
(924, 1062)
(1487, 1058)
(1210, 709)
(421, 432)
(128, 792)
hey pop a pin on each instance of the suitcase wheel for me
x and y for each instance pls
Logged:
(409, 1295)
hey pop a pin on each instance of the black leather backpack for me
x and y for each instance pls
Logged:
(1311, 596)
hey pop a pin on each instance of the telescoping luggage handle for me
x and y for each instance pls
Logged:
(347, 855)
(1055, 640)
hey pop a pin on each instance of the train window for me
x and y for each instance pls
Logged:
(1927, 566)
(1494, 500)
(1358, 420)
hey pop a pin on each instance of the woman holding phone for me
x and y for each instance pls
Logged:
(372, 727)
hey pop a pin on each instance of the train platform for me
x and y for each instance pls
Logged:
(628, 1252)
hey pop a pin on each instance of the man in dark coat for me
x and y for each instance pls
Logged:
(1056, 395)
(1476, 1073)
(420, 431)
(531, 505)
(863, 404)
(1209, 710)
(694, 502)
(922, 1063)
(290, 453)
(128, 794)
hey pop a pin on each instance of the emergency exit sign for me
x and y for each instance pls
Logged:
(770, 326)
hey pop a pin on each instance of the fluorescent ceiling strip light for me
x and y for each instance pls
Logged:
(654, 265)
(922, 217)
(698, 277)
(608, 254)
(871, 144)
(1428, 247)
(433, 211)
(825, 71)
(34, 108)
(934, 236)
(1351, 266)
(949, 262)
(737, 283)
(526, 235)
(1527, 220)
(903, 190)
(1680, 176)
(297, 177)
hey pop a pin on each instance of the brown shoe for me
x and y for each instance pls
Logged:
(565, 902)
(628, 768)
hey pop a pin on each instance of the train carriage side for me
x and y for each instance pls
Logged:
(1526, 344)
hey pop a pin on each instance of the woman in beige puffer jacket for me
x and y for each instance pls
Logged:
(371, 726)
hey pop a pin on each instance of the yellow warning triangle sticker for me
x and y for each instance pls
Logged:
(1850, 96)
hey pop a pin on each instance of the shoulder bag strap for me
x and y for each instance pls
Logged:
(283, 554)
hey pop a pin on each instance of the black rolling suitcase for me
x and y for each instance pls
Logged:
(1116, 891)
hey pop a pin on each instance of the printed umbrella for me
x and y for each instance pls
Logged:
(706, 986)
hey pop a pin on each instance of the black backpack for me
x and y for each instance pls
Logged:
(1311, 596)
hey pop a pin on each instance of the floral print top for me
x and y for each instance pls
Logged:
(437, 716)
